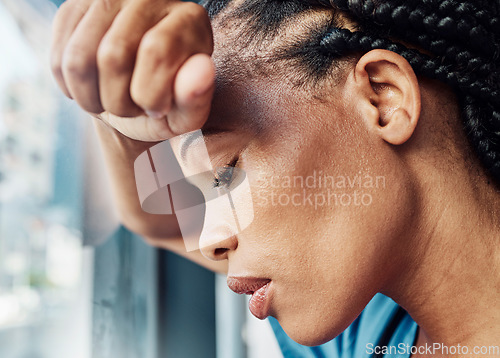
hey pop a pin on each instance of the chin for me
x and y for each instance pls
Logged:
(310, 334)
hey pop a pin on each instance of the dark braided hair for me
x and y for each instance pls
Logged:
(463, 39)
(454, 41)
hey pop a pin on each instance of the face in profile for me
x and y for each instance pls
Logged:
(331, 208)
(359, 177)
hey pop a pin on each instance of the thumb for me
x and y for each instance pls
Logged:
(193, 91)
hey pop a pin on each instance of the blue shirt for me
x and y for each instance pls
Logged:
(381, 324)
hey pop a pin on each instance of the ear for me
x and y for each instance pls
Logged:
(388, 95)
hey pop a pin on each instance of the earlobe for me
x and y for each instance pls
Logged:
(390, 91)
(399, 127)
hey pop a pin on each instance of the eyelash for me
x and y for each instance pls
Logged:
(224, 175)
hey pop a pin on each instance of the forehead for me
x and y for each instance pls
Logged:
(254, 88)
(238, 104)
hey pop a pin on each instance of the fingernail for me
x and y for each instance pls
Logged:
(155, 115)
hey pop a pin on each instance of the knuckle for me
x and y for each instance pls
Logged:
(69, 7)
(194, 10)
(161, 47)
(64, 8)
(197, 20)
(115, 55)
(197, 15)
(161, 56)
(106, 4)
(78, 63)
(151, 100)
(152, 45)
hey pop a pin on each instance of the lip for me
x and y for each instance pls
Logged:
(259, 288)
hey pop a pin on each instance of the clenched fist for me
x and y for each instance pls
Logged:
(142, 66)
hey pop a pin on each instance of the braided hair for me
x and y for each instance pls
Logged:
(463, 38)
(454, 41)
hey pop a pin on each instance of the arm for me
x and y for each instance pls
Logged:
(141, 76)
(158, 230)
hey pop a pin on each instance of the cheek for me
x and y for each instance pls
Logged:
(328, 227)
(349, 257)
(316, 189)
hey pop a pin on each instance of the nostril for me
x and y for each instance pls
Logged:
(220, 251)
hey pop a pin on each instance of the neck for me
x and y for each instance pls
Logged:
(451, 282)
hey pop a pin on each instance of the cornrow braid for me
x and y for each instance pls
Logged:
(461, 10)
(462, 49)
(342, 41)
(406, 22)
(458, 44)
(420, 19)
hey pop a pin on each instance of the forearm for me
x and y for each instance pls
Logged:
(120, 153)
(161, 231)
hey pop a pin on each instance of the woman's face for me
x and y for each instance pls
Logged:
(331, 208)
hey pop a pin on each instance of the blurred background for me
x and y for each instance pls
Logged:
(73, 282)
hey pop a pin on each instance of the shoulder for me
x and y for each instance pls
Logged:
(381, 322)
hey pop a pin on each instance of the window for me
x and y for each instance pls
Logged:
(42, 260)
(73, 284)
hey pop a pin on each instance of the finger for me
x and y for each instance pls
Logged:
(194, 87)
(193, 92)
(117, 54)
(79, 63)
(162, 51)
(66, 20)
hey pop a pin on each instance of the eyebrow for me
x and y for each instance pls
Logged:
(206, 133)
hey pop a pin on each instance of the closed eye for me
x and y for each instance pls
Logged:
(224, 175)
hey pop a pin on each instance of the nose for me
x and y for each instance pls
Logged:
(219, 250)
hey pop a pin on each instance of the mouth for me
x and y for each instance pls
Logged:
(258, 288)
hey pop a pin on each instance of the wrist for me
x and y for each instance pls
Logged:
(111, 137)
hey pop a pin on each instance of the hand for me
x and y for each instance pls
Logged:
(142, 66)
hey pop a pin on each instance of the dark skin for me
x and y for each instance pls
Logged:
(429, 239)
